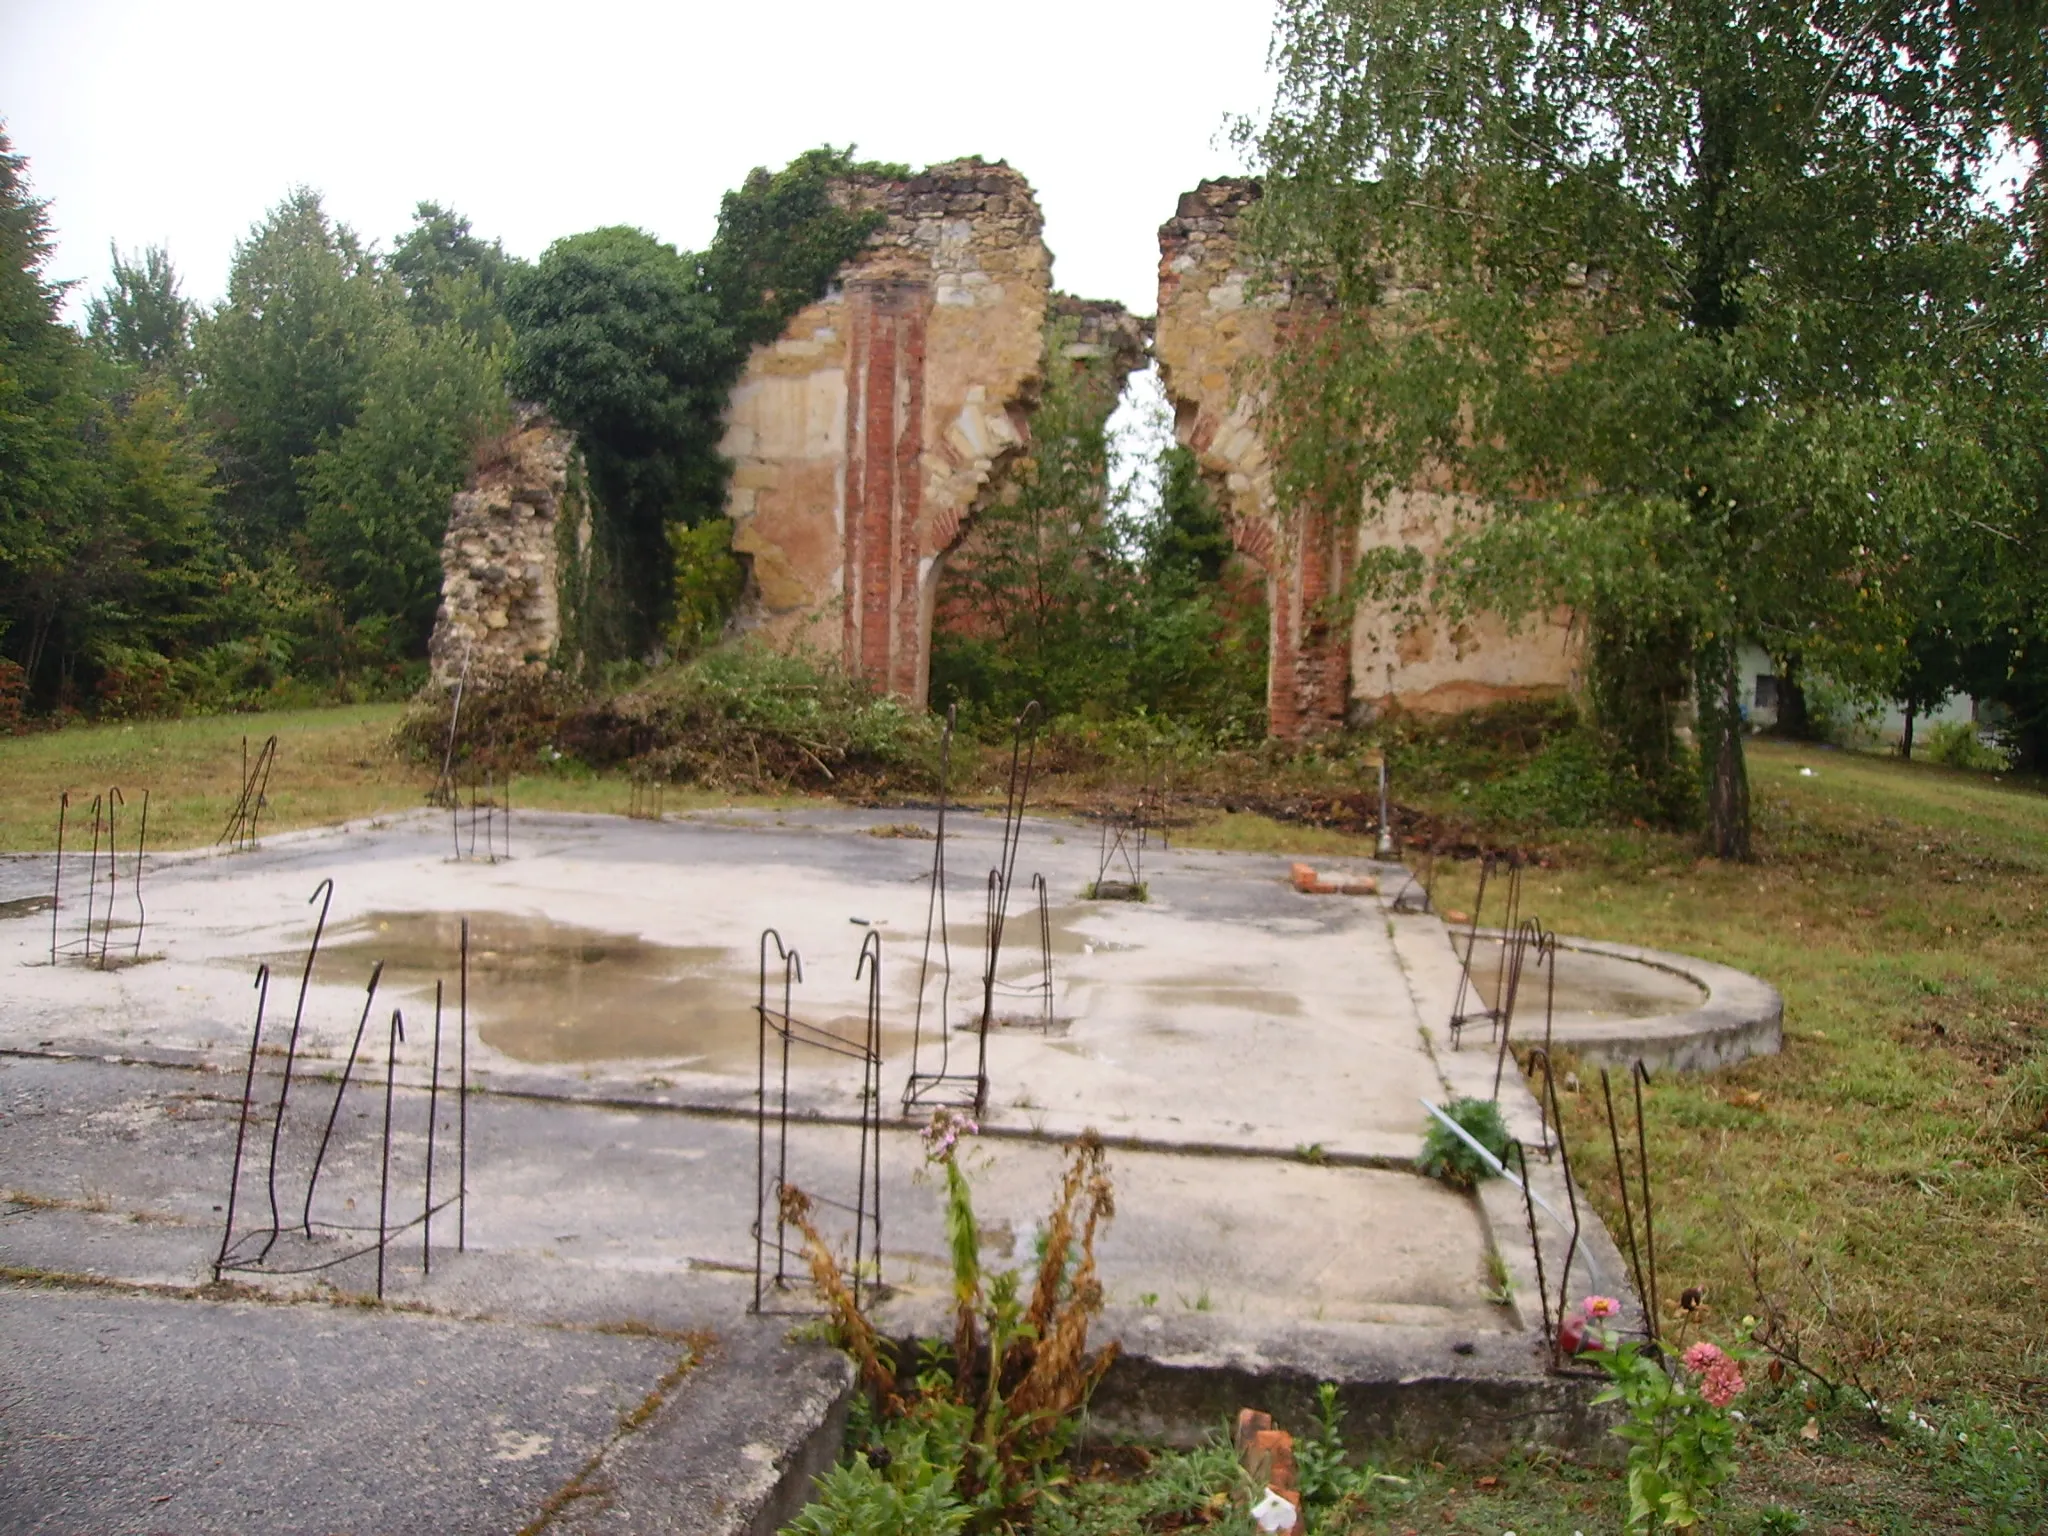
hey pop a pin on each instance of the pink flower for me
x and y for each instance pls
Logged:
(944, 1133)
(1723, 1383)
(1721, 1377)
(1702, 1357)
(1598, 1307)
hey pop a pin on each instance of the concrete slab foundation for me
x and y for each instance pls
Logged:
(1254, 1057)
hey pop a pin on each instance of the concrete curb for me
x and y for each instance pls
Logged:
(1743, 1016)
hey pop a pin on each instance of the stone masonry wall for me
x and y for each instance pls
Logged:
(500, 614)
(863, 437)
(1094, 344)
(1213, 327)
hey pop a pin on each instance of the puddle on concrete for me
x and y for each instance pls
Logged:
(25, 906)
(553, 992)
(1214, 994)
(1589, 986)
(1021, 935)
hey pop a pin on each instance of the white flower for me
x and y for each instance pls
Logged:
(1273, 1513)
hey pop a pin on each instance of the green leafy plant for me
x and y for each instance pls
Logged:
(1680, 1433)
(1203, 1488)
(1322, 1464)
(1956, 744)
(1446, 1156)
(908, 1494)
(997, 1405)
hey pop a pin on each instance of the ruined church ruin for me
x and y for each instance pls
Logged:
(868, 436)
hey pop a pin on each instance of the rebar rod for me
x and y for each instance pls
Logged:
(462, 1103)
(870, 963)
(341, 1088)
(141, 912)
(325, 889)
(1641, 1075)
(115, 799)
(1628, 1220)
(433, 1109)
(57, 873)
(384, 1173)
(242, 1124)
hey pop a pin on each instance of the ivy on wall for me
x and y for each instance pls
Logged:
(635, 346)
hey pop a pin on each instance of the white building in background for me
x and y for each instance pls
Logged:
(1886, 725)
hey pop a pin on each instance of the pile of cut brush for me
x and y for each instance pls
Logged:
(742, 718)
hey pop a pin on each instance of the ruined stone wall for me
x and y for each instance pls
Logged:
(500, 612)
(1443, 666)
(1094, 346)
(864, 435)
(1214, 327)
(1213, 323)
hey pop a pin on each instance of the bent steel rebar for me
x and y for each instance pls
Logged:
(341, 1088)
(1571, 1194)
(141, 912)
(242, 1124)
(94, 941)
(114, 802)
(1644, 1270)
(1531, 939)
(487, 839)
(433, 1115)
(240, 832)
(1417, 891)
(397, 1034)
(57, 874)
(1037, 986)
(790, 1034)
(250, 1251)
(462, 1102)
(443, 793)
(324, 894)
(1491, 1016)
(932, 1078)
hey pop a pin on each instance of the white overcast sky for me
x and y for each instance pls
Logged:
(178, 124)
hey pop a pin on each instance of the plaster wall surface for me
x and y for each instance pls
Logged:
(1215, 328)
(863, 436)
(1441, 665)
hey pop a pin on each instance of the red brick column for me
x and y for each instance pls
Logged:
(1308, 678)
(883, 632)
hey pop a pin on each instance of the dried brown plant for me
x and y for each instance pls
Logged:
(1061, 1375)
(856, 1334)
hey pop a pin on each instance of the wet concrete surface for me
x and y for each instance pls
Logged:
(621, 952)
(1581, 987)
(1212, 1034)
(129, 1413)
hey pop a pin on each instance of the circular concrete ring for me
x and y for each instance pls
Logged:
(1742, 1017)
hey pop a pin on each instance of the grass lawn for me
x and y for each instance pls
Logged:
(1888, 1171)
(332, 765)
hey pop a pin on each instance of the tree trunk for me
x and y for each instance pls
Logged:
(1794, 723)
(1637, 678)
(1727, 776)
(1906, 741)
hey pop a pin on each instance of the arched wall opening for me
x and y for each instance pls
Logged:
(1099, 577)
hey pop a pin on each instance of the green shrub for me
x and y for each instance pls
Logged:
(708, 580)
(1533, 764)
(1956, 744)
(909, 1495)
(1995, 1466)
(1446, 1156)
